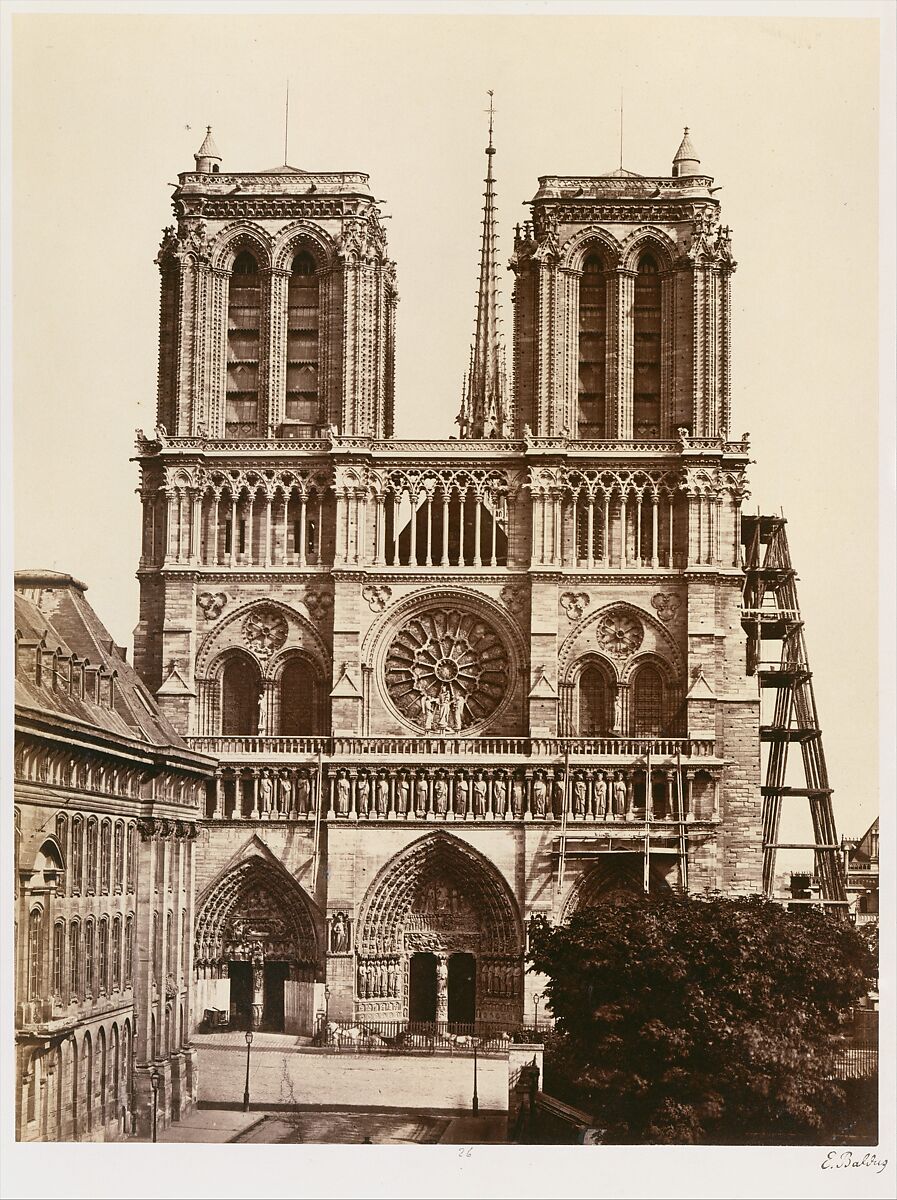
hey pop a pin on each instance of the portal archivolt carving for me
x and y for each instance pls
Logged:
(255, 909)
(439, 893)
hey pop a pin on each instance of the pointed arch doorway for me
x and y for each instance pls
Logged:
(440, 939)
(257, 950)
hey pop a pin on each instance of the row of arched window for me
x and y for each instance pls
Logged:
(101, 855)
(595, 340)
(244, 341)
(88, 958)
(650, 706)
(86, 1081)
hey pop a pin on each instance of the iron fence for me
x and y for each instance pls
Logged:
(856, 1060)
(417, 1037)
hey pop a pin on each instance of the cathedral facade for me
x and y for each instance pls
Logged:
(449, 684)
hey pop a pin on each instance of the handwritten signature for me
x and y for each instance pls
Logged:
(835, 1160)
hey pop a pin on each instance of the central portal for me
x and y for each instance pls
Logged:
(422, 988)
(462, 989)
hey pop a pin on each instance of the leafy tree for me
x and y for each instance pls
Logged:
(701, 1019)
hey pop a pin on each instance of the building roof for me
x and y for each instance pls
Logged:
(686, 151)
(208, 149)
(52, 614)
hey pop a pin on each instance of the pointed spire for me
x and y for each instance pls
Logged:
(208, 159)
(686, 161)
(484, 409)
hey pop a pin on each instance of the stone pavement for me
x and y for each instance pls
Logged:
(393, 1127)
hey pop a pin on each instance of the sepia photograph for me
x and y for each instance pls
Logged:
(430, 719)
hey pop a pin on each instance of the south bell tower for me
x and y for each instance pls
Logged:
(622, 307)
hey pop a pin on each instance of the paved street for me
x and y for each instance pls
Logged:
(330, 1126)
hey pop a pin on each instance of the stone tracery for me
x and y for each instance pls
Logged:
(446, 669)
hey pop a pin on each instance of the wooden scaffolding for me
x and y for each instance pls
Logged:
(777, 655)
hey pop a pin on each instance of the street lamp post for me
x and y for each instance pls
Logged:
(326, 1013)
(537, 996)
(475, 1105)
(154, 1084)
(246, 1088)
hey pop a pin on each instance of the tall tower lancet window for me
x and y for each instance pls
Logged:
(303, 353)
(592, 349)
(646, 328)
(244, 312)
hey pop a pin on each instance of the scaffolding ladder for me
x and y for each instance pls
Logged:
(770, 613)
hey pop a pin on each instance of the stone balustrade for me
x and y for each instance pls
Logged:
(307, 748)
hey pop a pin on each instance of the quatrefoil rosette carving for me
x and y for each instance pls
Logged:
(265, 630)
(211, 604)
(574, 604)
(666, 605)
(377, 596)
(446, 670)
(619, 634)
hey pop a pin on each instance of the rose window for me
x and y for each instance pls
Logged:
(619, 634)
(265, 630)
(446, 670)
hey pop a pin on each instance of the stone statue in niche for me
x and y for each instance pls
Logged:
(579, 797)
(499, 795)
(600, 794)
(462, 790)
(339, 934)
(558, 795)
(440, 794)
(619, 791)
(263, 717)
(402, 795)
(421, 794)
(382, 796)
(342, 796)
(364, 795)
(539, 796)
(266, 792)
(479, 795)
(286, 793)
(302, 789)
(517, 796)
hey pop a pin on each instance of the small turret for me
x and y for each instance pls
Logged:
(207, 158)
(686, 161)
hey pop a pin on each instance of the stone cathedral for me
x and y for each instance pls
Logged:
(449, 685)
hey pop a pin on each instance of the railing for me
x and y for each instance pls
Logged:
(857, 1060)
(240, 745)
(487, 748)
(415, 1037)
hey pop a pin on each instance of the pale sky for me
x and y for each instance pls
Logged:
(783, 112)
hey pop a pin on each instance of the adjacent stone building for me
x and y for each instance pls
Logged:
(107, 799)
(449, 684)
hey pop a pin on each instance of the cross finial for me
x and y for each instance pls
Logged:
(491, 115)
